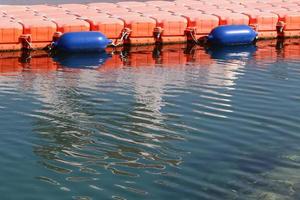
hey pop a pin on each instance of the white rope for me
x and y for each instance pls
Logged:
(28, 43)
(121, 40)
(195, 39)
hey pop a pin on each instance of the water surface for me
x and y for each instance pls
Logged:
(171, 122)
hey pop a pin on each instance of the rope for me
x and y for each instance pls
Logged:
(123, 37)
(194, 38)
(28, 43)
(192, 34)
(49, 47)
(157, 34)
(280, 26)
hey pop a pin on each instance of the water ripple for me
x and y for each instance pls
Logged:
(198, 124)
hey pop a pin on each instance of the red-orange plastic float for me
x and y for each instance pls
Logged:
(263, 22)
(199, 24)
(10, 33)
(169, 28)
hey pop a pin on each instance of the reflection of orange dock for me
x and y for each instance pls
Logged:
(39, 62)
(14, 62)
(271, 51)
(291, 50)
(147, 22)
(176, 55)
(9, 63)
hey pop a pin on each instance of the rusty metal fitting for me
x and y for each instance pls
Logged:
(157, 32)
(25, 41)
(56, 36)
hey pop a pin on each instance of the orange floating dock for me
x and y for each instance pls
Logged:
(149, 22)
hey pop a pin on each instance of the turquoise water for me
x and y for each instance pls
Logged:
(152, 123)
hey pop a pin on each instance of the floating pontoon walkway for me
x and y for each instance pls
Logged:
(145, 22)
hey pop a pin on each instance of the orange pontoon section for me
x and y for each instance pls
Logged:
(10, 33)
(145, 22)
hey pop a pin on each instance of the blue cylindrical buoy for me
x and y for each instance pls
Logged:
(232, 35)
(76, 42)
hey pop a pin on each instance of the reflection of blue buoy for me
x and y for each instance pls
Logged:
(231, 52)
(232, 35)
(82, 60)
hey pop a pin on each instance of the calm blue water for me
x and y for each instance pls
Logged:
(152, 123)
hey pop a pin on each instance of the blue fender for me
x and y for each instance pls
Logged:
(90, 41)
(232, 35)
